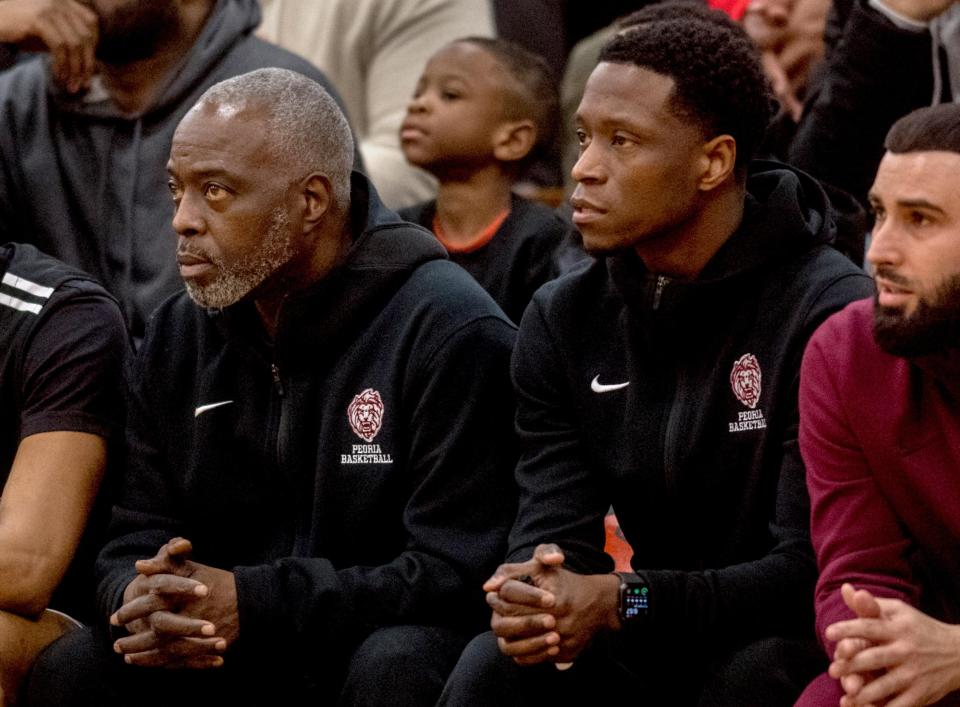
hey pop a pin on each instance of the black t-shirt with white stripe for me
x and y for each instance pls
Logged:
(63, 352)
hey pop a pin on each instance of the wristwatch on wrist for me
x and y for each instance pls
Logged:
(634, 603)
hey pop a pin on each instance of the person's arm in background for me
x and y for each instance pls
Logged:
(66, 29)
(44, 507)
(71, 406)
(71, 393)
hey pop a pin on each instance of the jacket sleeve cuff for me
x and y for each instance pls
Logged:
(258, 600)
(113, 600)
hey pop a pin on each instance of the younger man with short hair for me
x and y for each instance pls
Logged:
(483, 109)
(662, 379)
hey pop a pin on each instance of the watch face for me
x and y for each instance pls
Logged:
(636, 601)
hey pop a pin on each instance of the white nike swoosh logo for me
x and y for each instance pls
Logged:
(597, 387)
(203, 408)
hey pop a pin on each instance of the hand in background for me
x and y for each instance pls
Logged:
(66, 29)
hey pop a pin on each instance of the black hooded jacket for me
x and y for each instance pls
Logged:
(259, 456)
(676, 402)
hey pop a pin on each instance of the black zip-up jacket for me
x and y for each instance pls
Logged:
(262, 457)
(626, 397)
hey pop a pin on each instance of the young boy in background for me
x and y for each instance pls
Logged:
(482, 110)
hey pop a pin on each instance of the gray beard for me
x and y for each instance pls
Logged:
(236, 280)
(934, 325)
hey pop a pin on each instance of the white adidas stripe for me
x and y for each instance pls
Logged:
(19, 304)
(31, 288)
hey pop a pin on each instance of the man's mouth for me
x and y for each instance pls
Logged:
(584, 210)
(890, 293)
(192, 265)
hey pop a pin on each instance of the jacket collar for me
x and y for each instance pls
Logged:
(786, 213)
(384, 252)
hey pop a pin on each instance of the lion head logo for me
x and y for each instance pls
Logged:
(366, 414)
(745, 380)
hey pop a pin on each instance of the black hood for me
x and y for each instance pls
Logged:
(786, 213)
(384, 252)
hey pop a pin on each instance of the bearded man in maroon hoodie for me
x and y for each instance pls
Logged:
(880, 435)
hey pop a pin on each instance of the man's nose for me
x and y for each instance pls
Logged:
(187, 217)
(588, 167)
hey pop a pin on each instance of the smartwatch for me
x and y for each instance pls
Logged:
(634, 603)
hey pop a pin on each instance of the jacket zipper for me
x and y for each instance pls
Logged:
(662, 281)
(280, 423)
(671, 431)
(277, 382)
(278, 444)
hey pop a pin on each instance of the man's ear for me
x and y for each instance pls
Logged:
(513, 140)
(718, 161)
(316, 198)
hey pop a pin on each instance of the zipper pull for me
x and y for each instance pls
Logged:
(662, 281)
(276, 379)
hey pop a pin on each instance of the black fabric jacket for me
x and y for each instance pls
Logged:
(707, 483)
(521, 256)
(329, 535)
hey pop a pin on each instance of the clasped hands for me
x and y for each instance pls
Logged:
(892, 654)
(180, 614)
(545, 613)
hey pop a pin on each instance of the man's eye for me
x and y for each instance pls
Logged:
(581, 136)
(174, 189)
(618, 140)
(214, 192)
(450, 95)
(918, 219)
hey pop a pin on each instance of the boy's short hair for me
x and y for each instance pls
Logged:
(930, 129)
(538, 98)
(718, 79)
